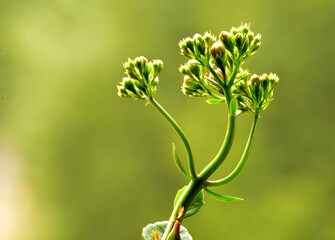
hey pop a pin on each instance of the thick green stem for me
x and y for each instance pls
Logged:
(181, 135)
(242, 161)
(192, 189)
(227, 143)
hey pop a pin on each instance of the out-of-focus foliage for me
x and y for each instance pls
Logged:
(77, 162)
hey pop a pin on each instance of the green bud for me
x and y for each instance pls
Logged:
(194, 68)
(157, 66)
(251, 36)
(140, 63)
(255, 44)
(199, 38)
(189, 43)
(244, 29)
(255, 79)
(217, 50)
(184, 49)
(239, 40)
(234, 30)
(245, 45)
(227, 41)
(185, 70)
(122, 92)
(218, 54)
(199, 43)
(209, 39)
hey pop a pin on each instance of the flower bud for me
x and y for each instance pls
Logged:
(255, 79)
(185, 70)
(194, 68)
(239, 40)
(209, 39)
(199, 43)
(199, 38)
(255, 44)
(245, 45)
(218, 53)
(227, 41)
(217, 50)
(244, 29)
(189, 43)
(184, 50)
(251, 36)
(157, 66)
(140, 62)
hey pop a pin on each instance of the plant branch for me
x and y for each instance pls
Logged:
(242, 161)
(181, 134)
(227, 143)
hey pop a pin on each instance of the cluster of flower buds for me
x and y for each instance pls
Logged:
(197, 47)
(141, 80)
(240, 42)
(194, 79)
(255, 93)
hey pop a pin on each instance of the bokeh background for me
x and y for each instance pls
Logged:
(79, 163)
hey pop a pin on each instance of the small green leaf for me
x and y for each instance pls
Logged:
(160, 227)
(223, 198)
(178, 162)
(214, 101)
(233, 106)
(195, 205)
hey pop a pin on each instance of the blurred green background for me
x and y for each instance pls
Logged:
(79, 163)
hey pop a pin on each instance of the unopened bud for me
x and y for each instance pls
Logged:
(209, 39)
(157, 66)
(199, 43)
(239, 40)
(140, 62)
(255, 79)
(198, 37)
(245, 45)
(227, 41)
(217, 50)
(189, 43)
(184, 49)
(251, 36)
(255, 44)
(194, 68)
(244, 29)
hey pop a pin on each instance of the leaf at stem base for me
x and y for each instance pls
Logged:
(195, 205)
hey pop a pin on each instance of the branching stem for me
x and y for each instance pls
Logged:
(242, 161)
(181, 134)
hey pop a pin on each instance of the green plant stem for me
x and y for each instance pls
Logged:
(181, 134)
(242, 161)
(227, 143)
(216, 76)
(231, 80)
(192, 189)
(196, 185)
